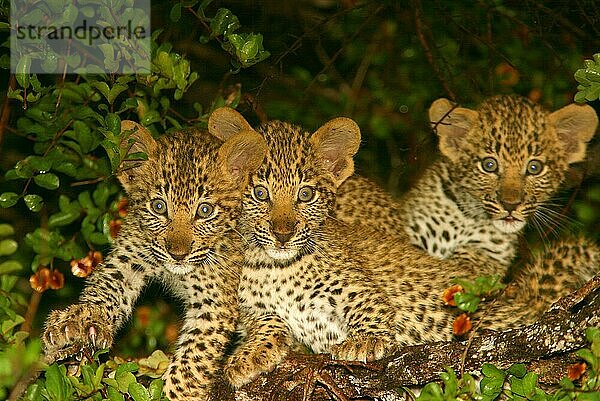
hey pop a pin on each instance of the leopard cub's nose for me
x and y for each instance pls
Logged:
(283, 237)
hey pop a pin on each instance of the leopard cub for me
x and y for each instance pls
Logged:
(183, 204)
(346, 290)
(500, 165)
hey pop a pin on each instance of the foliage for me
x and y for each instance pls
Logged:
(516, 383)
(97, 381)
(379, 62)
(589, 81)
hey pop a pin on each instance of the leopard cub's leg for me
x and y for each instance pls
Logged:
(372, 330)
(267, 343)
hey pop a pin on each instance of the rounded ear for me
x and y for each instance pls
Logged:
(575, 125)
(336, 143)
(138, 140)
(225, 122)
(451, 124)
(241, 155)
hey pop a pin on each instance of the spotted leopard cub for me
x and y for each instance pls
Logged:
(341, 289)
(501, 163)
(183, 204)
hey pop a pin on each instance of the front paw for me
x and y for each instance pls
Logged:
(250, 360)
(365, 347)
(71, 330)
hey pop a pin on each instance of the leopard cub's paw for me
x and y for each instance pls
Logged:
(250, 360)
(69, 331)
(365, 347)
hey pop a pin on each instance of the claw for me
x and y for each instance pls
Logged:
(67, 333)
(50, 338)
(93, 335)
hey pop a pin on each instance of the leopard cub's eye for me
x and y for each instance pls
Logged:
(306, 194)
(489, 164)
(534, 167)
(159, 206)
(261, 193)
(205, 210)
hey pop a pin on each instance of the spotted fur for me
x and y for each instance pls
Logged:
(183, 203)
(460, 210)
(348, 290)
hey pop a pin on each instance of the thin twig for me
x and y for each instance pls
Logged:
(427, 49)
(5, 113)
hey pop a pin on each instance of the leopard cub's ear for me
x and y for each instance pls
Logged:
(575, 125)
(241, 155)
(137, 140)
(225, 122)
(452, 125)
(336, 143)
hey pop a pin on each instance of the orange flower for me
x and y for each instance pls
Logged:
(39, 280)
(171, 333)
(448, 296)
(122, 206)
(462, 325)
(85, 266)
(143, 314)
(575, 371)
(57, 280)
(45, 278)
(507, 74)
(114, 227)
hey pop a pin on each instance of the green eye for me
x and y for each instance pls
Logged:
(159, 206)
(489, 164)
(534, 167)
(261, 193)
(205, 210)
(306, 194)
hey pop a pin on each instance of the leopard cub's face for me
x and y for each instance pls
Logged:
(187, 195)
(292, 194)
(511, 155)
(289, 198)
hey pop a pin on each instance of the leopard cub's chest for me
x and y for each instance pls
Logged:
(299, 298)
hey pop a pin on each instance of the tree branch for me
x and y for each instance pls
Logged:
(546, 347)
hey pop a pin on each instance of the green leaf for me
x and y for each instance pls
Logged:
(224, 22)
(529, 384)
(518, 370)
(114, 394)
(466, 301)
(8, 247)
(34, 202)
(492, 371)
(63, 218)
(587, 356)
(8, 199)
(124, 380)
(10, 266)
(431, 392)
(47, 180)
(58, 386)
(6, 230)
(113, 124)
(155, 389)
(39, 164)
(138, 392)
(175, 13)
(567, 384)
(491, 387)
(22, 70)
